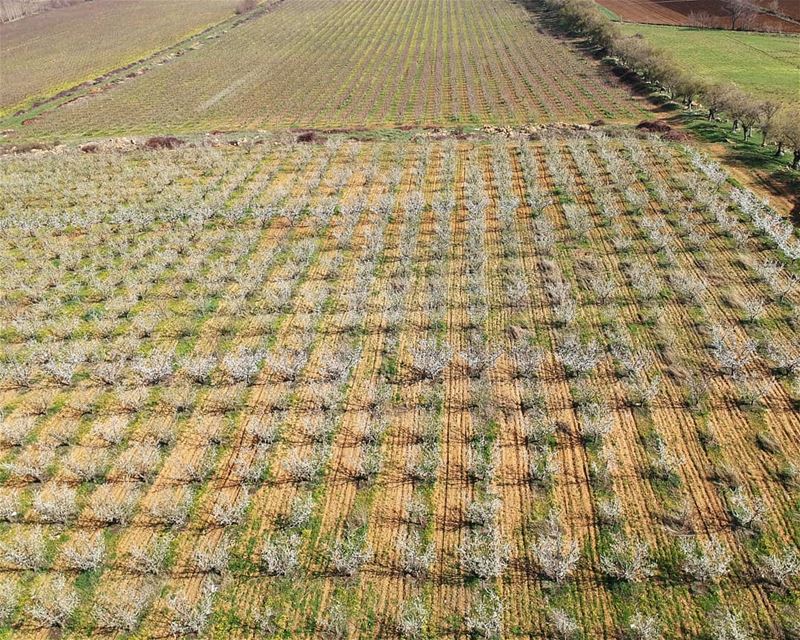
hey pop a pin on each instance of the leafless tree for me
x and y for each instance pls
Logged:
(741, 12)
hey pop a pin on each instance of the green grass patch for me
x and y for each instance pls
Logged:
(768, 65)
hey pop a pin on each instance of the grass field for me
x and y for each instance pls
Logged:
(409, 62)
(453, 387)
(55, 50)
(766, 65)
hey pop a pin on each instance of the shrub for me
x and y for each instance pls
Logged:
(425, 468)
(643, 390)
(26, 549)
(746, 512)
(154, 368)
(280, 554)
(556, 556)
(543, 467)
(780, 568)
(111, 372)
(595, 423)
(263, 430)
(562, 623)
(84, 551)
(303, 469)
(178, 399)
(609, 511)
(139, 462)
(727, 624)
(704, 561)
(300, 513)
(644, 627)
(286, 365)
(412, 619)
(335, 624)
(86, 464)
(171, 507)
(13, 433)
(230, 508)
(477, 359)
(483, 554)
(485, 618)
(416, 556)
(120, 607)
(482, 461)
(53, 601)
(212, 556)
(109, 508)
(349, 554)
(9, 595)
(198, 368)
(627, 560)
(785, 357)
(733, 353)
(429, 359)
(9, 504)
(664, 464)
(110, 431)
(539, 429)
(482, 511)
(370, 463)
(578, 358)
(149, 556)
(242, 365)
(188, 617)
(527, 359)
(34, 462)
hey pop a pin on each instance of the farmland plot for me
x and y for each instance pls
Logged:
(50, 52)
(452, 387)
(355, 63)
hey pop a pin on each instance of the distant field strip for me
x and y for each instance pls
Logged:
(336, 63)
(765, 64)
(53, 51)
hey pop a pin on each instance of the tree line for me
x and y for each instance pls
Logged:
(778, 122)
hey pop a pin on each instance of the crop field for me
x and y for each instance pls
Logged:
(767, 65)
(406, 62)
(785, 19)
(50, 52)
(436, 388)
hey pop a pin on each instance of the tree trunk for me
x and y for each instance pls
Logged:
(796, 159)
(763, 138)
(779, 149)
